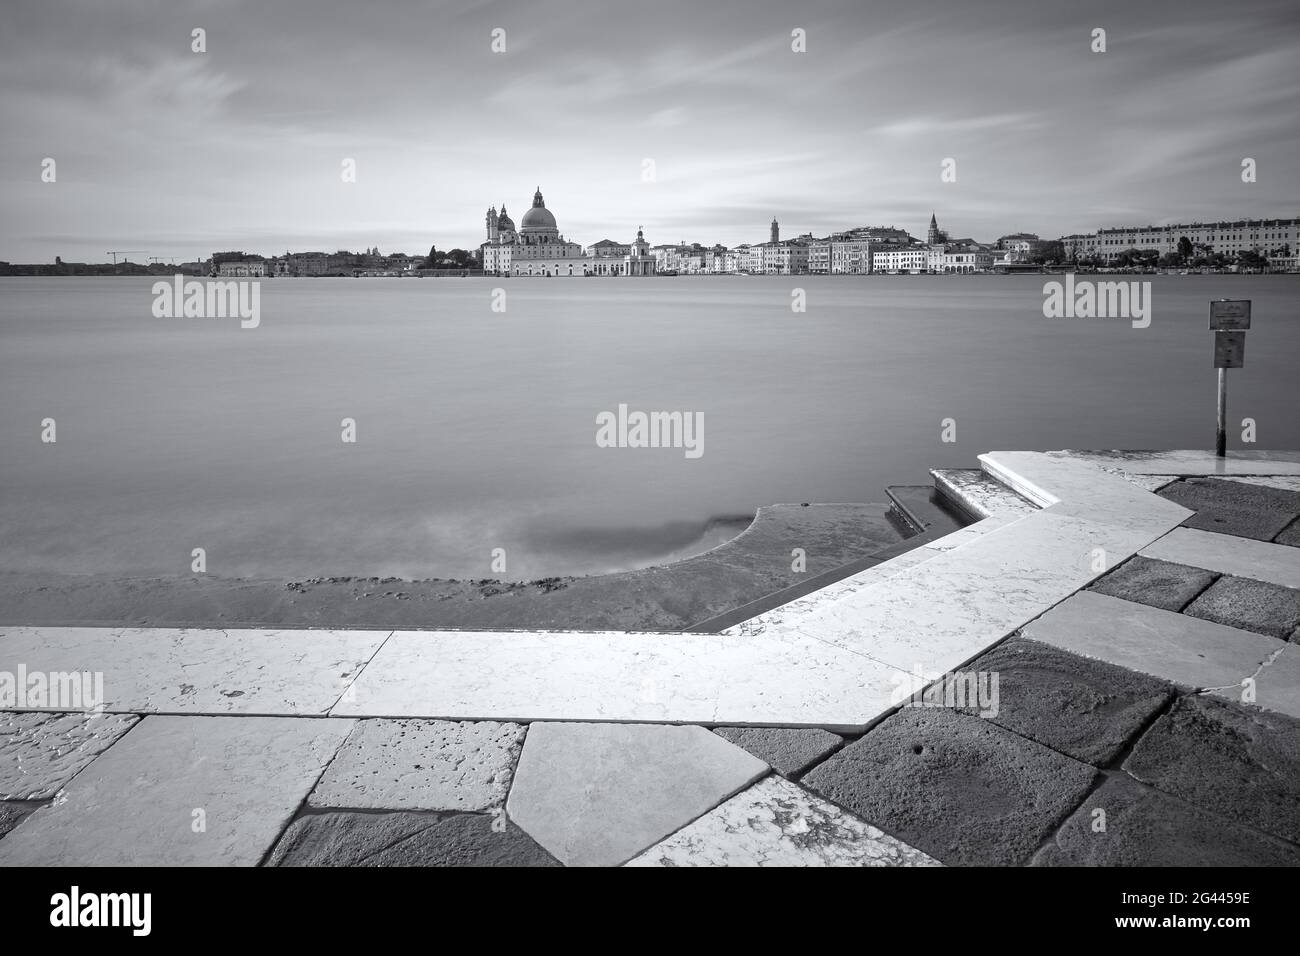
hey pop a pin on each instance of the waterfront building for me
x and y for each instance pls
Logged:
(607, 247)
(849, 253)
(1273, 238)
(248, 268)
(906, 259)
(1019, 246)
(959, 258)
(536, 248)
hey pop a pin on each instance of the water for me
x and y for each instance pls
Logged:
(476, 430)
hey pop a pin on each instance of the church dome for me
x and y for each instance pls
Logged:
(539, 217)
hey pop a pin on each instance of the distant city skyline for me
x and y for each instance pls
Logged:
(181, 154)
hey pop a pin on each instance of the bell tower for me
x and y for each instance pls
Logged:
(492, 224)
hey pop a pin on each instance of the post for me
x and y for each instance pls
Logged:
(1229, 320)
(1221, 432)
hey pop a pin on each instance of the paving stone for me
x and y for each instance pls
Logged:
(11, 814)
(1155, 583)
(942, 613)
(406, 839)
(1239, 762)
(785, 679)
(202, 670)
(776, 823)
(136, 804)
(598, 794)
(975, 492)
(1275, 686)
(788, 750)
(422, 765)
(1173, 647)
(1250, 605)
(1290, 535)
(1234, 507)
(1084, 708)
(40, 753)
(1286, 482)
(1229, 554)
(956, 787)
(1144, 827)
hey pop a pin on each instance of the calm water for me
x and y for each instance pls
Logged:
(476, 430)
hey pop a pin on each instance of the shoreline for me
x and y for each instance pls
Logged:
(668, 597)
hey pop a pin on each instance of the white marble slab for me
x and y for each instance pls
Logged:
(1075, 487)
(598, 794)
(973, 532)
(1175, 647)
(1229, 554)
(200, 671)
(775, 680)
(979, 494)
(40, 753)
(181, 791)
(944, 612)
(1150, 483)
(776, 823)
(1190, 462)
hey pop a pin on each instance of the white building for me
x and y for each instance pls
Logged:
(538, 249)
(905, 259)
(1269, 237)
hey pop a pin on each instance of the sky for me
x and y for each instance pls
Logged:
(173, 153)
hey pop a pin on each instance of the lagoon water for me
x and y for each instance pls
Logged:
(476, 430)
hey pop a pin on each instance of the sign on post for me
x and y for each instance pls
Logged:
(1229, 315)
(1229, 320)
(1229, 349)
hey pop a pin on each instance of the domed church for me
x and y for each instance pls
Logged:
(536, 248)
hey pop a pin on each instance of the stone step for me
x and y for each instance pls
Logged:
(975, 494)
(919, 509)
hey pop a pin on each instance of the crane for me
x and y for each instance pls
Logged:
(170, 260)
(124, 253)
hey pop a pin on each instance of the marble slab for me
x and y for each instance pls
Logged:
(941, 614)
(781, 679)
(598, 794)
(973, 532)
(1229, 554)
(200, 670)
(181, 791)
(1192, 462)
(776, 823)
(422, 765)
(1175, 647)
(1079, 488)
(979, 494)
(40, 753)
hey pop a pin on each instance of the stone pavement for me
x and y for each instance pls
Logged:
(1109, 660)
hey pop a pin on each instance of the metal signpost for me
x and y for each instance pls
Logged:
(1229, 320)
